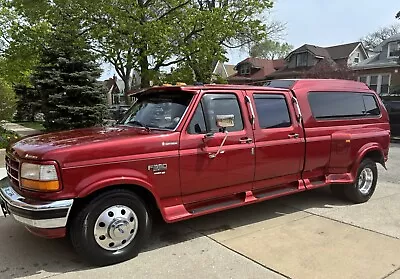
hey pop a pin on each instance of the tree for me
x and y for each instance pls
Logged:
(7, 101)
(146, 35)
(372, 40)
(28, 104)
(66, 80)
(269, 49)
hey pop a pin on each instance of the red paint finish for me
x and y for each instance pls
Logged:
(48, 233)
(274, 164)
(234, 168)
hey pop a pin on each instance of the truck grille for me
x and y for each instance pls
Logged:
(12, 167)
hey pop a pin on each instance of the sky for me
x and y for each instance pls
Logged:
(329, 22)
(324, 22)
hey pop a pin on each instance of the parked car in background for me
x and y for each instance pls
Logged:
(187, 151)
(392, 104)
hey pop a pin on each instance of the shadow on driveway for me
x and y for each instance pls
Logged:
(23, 254)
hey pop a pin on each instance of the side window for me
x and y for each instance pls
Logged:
(198, 124)
(221, 104)
(272, 111)
(325, 105)
(371, 107)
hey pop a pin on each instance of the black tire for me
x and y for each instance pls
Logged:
(353, 192)
(81, 228)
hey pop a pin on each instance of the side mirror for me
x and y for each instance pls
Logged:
(225, 121)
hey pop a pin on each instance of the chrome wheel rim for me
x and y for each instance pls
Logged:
(116, 227)
(365, 180)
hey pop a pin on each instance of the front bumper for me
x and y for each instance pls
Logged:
(33, 213)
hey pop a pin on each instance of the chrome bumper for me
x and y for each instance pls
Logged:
(33, 213)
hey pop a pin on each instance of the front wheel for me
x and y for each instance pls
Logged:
(112, 228)
(364, 187)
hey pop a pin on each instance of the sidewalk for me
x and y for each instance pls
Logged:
(19, 129)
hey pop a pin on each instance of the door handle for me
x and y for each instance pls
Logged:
(246, 140)
(293, 136)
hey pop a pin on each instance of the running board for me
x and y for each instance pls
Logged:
(182, 212)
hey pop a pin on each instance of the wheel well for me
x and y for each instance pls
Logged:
(142, 192)
(376, 156)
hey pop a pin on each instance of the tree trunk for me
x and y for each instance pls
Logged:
(144, 70)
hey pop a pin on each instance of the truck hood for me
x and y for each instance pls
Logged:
(92, 141)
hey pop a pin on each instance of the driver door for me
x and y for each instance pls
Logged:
(230, 172)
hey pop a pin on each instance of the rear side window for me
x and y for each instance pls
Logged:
(272, 111)
(325, 105)
(371, 107)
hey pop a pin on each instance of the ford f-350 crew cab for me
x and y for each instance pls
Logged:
(192, 150)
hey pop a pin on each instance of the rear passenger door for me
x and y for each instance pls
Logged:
(279, 140)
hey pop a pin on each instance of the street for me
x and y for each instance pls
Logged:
(308, 235)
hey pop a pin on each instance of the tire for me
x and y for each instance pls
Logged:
(365, 184)
(111, 228)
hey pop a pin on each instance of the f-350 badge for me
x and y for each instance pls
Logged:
(158, 168)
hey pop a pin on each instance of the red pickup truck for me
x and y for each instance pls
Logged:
(187, 151)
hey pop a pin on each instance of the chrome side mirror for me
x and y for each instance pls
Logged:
(223, 122)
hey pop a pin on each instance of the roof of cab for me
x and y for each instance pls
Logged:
(273, 85)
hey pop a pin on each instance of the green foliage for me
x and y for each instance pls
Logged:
(7, 101)
(7, 137)
(181, 74)
(28, 104)
(146, 35)
(66, 80)
(19, 43)
(269, 49)
(219, 80)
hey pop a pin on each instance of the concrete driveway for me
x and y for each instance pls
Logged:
(308, 235)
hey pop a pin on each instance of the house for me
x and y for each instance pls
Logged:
(223, 70)
(309, 58)
(115, 90)
(254, 70)
(381, 72)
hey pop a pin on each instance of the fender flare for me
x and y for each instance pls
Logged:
(117, 180)
(362, 153)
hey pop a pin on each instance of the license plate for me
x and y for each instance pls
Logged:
(10, 193)
(4, 208)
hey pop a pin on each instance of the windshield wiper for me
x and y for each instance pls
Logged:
(138, 123)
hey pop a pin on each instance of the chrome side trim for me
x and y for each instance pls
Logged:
(42, 224)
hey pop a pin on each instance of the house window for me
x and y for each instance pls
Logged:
(357, 58)
(379, 83)
(393, 50)
(301, 59)
(373, 83)
(363, 79)
(385, 84)
(245, 70)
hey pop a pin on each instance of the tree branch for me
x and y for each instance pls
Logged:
(172, 10)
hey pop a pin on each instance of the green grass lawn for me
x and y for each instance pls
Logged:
(6, 137)
(33, 125)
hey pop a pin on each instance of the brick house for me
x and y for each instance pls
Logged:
(309, 58)
(254, 70)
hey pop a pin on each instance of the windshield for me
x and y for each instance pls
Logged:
(157, 110)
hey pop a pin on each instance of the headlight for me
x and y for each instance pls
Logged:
(39, 177)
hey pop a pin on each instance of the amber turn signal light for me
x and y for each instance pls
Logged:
(45, 186)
